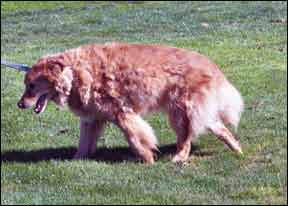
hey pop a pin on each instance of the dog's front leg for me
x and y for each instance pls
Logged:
(90, 131)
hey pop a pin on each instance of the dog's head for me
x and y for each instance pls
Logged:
(49, 79)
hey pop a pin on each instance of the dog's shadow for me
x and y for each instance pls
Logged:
(112, 155)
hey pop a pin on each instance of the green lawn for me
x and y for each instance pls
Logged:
(248, 40)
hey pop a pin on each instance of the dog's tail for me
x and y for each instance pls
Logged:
(221, 103)
(230, 104)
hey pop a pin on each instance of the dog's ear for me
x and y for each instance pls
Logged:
(83, 82)
(63, 84)
(55, 66)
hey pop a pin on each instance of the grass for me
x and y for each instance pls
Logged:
(241, 37)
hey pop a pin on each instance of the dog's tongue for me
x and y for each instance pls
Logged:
(41, 104)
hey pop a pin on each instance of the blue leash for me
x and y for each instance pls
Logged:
(19, 67)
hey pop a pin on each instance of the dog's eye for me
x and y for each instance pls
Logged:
(31, 86)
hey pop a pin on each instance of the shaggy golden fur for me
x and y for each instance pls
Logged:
(119, 82)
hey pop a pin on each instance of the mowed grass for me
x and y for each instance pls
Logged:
(248, 40)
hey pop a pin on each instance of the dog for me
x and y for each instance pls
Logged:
(120, 82)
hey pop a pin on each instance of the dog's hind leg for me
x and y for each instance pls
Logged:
(180, 123)
(90, 131)
(139, 135)
(226, 136)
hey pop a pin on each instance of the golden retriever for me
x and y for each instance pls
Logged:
(119, 82)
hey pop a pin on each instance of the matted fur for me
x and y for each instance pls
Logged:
(119, 82)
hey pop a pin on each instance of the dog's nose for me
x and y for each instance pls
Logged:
(21, 105)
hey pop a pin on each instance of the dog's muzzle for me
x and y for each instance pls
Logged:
(21, 105)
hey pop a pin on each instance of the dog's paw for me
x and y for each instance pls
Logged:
(179, 159)
(237, 147)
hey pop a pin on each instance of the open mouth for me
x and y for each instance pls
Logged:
(41, 104)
